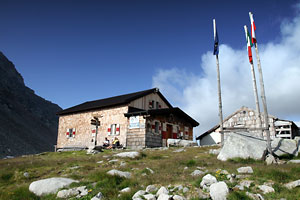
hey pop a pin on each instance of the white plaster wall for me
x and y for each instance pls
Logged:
(210, 139)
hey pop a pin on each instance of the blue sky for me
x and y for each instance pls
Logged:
(70, 52)
(75, 51)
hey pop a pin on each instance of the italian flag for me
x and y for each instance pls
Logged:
(249, 44)
(253, 28)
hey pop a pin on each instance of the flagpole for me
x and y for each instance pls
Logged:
(263, 97)
(262, 89)
(257, 113)
(219, 85)
(220, 101)
(256, 101)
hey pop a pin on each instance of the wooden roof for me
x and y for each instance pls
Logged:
(112, 101)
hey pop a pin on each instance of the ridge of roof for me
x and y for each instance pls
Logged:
(111, 101)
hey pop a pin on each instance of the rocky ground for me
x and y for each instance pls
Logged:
(162, 173)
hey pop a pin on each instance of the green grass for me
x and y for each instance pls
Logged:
(244, 161)
(168, 166)
(238, 196)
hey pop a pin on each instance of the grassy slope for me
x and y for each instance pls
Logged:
(167, 165)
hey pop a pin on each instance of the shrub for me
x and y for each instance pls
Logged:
(191, 163)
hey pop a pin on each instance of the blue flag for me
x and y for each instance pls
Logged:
(216, 38)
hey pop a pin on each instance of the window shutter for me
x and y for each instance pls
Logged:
(67, 133)
(109, 130)
(118, 129)
(74, 131)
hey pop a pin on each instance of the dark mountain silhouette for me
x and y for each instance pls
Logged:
(28, 123)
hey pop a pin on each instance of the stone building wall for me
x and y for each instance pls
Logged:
(247, 118)
(136, 136)
(83, 130)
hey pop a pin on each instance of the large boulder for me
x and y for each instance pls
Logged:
(242, 145)
(49, 185)
(218, 191)
(282, 146)
(181, 143)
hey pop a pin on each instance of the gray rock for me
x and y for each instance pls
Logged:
(207, 180)
(164, 197)
(82, 191)
(214, 151)
(100, 162)
(125, 190)
(49, 185)
(151, 189)
(245, 170)
(254, 196)
(123, 164)
(242, 145)
(99, 196)
(180, 143)
(177, 188)
(282, 146)
(266, 189)
(75, 167)
(132, 154)
(243, 184)
(292, 184)
(150, 170)
(79, 191)
(119, 173)
(138, 194)
(67, 193)
(218, 191)
(162, 190)
(114, 160)
(185, 190)
(179, 150)
(197, 173)
(149, 197)
(270, 159)
(202, 195)
(26, 174)
(177, 197)
(294, 161)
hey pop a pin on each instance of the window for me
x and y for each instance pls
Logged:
(153, 102)
(113, 129)
(156, 127)
(70, 132)
(157, 105)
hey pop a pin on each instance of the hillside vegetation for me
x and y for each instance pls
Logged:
(170, 169)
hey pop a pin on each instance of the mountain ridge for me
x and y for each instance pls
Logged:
(28, 122)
